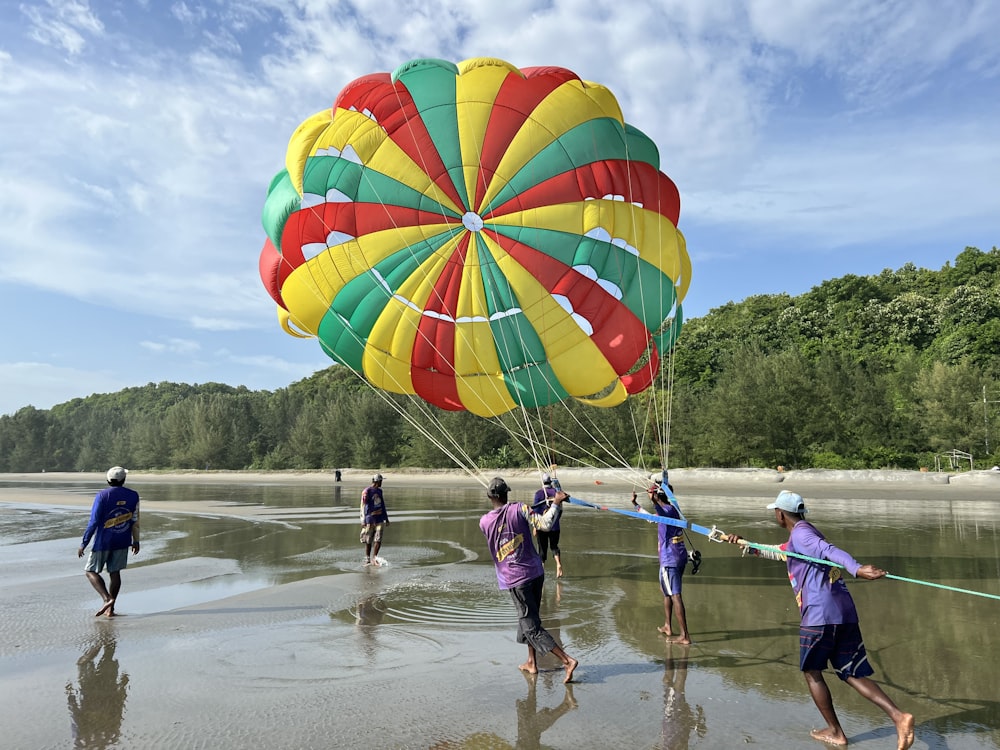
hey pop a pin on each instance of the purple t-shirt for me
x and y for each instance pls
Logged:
(670, 539)
(114, 512)
(373, 506)
(508, 535)
(820, 590)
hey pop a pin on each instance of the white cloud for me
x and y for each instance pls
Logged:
(172, 346)
(138, 167)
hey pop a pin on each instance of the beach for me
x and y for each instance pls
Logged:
(283, 640)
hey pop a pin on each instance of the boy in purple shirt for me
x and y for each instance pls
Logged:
(374, 517)
(507, 529)
(829, 631)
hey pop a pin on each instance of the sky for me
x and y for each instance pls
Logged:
(809, 140)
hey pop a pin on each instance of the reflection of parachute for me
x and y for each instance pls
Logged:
(481, 236)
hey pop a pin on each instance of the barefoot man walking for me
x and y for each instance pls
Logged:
(829, 632)
(507, 529)
(114, 527)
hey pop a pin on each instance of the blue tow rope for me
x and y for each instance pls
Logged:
(681, 523)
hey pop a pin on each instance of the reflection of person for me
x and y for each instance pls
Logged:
(97, 706)
(673, 559)
(541, 503)
(829, 631)
(114, 527)
(678, 716)
(532, 722)
(373, 517)
(507, 528)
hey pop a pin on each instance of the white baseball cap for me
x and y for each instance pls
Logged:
(117, 474)
(790, 502)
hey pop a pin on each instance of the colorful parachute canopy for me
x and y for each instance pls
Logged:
(481, 236)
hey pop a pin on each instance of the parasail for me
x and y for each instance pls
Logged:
(481, 236)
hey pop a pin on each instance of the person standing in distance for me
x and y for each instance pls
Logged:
(673, 558)
(541, 503)
(373, 517)
(829, 632)
(508, 530)
(114, 527)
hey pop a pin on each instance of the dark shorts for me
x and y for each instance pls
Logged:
(670, 580)
(527, 600)
(840, 646)
(547, 539)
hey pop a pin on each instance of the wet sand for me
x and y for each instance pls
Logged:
(310, 663)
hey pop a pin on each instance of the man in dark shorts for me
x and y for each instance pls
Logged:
(114, 527)
(541, 503)
(829, 632)
(507, 529)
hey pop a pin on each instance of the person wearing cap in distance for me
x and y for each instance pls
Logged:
(673, 560)
(373, 517)
(114, 527)
(541, 503)
(508, 530)
(829, 631)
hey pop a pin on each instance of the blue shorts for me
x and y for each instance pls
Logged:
(839, 645)
(115, 559)
(670, 580)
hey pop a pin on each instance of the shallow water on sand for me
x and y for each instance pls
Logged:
(264, 629)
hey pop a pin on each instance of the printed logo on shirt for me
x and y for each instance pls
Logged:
(119, 521)
(508, 548)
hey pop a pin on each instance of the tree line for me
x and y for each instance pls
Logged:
(891, 370)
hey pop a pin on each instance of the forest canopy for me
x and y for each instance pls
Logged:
(892, 370)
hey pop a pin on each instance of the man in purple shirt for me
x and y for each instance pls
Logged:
(829, 631)
(114, 527)
(673, 559)
(541, 503)
(507, 529)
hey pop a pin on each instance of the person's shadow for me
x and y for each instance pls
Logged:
(679, 719)
(97, 703)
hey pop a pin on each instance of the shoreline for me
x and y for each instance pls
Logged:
(696, 478)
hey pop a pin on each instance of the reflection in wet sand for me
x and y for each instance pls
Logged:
(679, 719)
(97, 704)
(532, 723)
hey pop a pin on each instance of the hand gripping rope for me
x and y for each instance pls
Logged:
(754, 549)
(771, 552)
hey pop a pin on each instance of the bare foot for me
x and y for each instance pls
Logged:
(529, 668)
(108, 609)
(824, 735)
(665, 629)
(681, 640)
(570, 668)
(904, 730)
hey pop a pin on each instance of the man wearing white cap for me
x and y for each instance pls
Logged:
(829, 632)
(114, 527)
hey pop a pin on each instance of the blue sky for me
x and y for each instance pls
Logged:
(809, 140)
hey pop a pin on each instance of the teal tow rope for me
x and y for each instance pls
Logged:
(772, 549)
